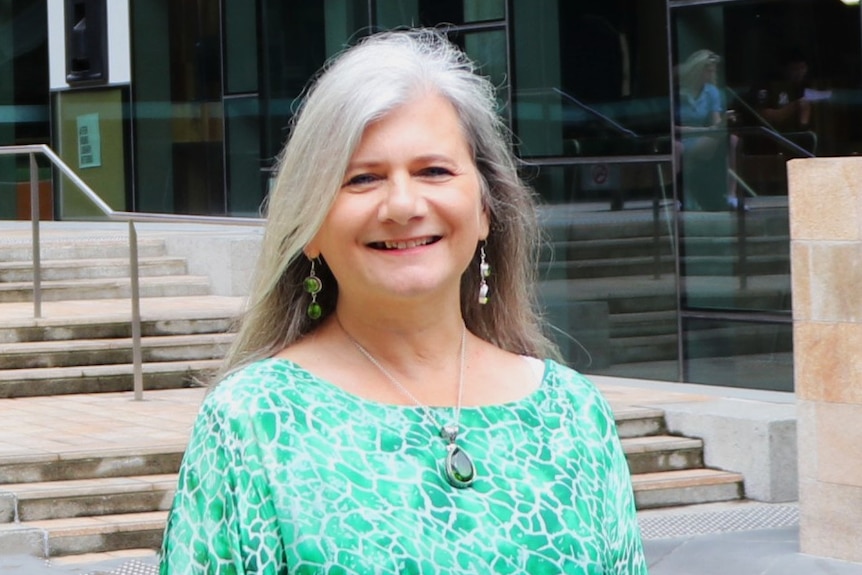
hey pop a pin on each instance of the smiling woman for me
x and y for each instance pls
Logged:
(390, 404)
(409, 216)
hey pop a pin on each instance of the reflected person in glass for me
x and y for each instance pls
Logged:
(704, 150)
(390, 403)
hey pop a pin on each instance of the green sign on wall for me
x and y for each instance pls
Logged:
(89, 141)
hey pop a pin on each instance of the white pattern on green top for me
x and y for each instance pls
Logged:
(287, 473)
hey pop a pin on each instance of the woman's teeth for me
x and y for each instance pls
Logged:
(406, 244)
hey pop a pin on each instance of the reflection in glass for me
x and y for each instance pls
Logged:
(245, 185)
(24, 93)
(739, 354)
(607, 273)
(705, 149)
(602, 86)
(395, 13)
(488, 50)
(177, 108)
(296, 39)
(240, 47)
(734, 230)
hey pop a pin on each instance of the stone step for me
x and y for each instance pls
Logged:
(143, 530)
(91, 464)
(66, 353)
(102, 378)
(99, 534)
(635, 421)
(48, 329)
(662, 453)
(101, 288)
(56, 270)
(686, 487)
(88, 497)
(81, 248)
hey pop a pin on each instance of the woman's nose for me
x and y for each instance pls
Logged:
(402, 202)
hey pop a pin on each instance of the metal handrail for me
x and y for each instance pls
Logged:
(113, 215)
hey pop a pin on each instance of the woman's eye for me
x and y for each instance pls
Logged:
(436, 171)
(361, 180)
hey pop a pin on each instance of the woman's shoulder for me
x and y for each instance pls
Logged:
(712, 90)
(572, 384)
(256, 380)
(557, 373)
(585, 407)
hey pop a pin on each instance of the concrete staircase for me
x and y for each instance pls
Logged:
(94, 268)
(94, 502)
(668, 470)
(91, 353)
(84, 504)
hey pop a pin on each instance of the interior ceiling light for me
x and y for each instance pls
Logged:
(851, 2)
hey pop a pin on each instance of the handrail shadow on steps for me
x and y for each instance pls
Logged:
(113, 215)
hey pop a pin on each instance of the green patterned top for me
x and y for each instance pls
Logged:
(287, 473)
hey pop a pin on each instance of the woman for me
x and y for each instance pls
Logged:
(383, 409)
(704, 150)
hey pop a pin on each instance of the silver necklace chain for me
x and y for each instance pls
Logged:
(448, 432)
(457, 467)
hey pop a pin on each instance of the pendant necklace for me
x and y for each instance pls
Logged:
(457, 468)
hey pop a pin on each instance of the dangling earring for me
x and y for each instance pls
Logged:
(313, 285)
(484, 272)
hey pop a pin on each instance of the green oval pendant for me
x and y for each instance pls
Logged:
(459, 469)
(312, 284)
(314, 310)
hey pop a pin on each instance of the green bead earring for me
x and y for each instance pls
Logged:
(313, 285)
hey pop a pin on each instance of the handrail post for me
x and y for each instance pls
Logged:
(137, 355)
(37, 250)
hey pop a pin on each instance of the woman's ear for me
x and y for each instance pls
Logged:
(484, 224)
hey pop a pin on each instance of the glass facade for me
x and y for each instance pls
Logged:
(786, 76)
(178, 106)
(24, 99)
(656, 133)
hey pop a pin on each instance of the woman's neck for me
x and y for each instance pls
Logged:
(403, 336)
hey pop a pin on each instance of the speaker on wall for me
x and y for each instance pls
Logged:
(86, 42)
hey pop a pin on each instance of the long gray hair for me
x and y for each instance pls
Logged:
(691, 71)
(354, 89)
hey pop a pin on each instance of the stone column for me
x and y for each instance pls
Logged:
(826, 257)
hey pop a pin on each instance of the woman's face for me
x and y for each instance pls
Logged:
(710, 73)
(409, 215)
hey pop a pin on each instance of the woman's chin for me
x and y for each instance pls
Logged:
(405, 292)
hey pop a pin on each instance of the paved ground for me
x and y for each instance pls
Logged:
(758, 552)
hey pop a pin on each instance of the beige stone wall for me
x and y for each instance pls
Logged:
(826, 259)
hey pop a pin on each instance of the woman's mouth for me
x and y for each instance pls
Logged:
(404, 244)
